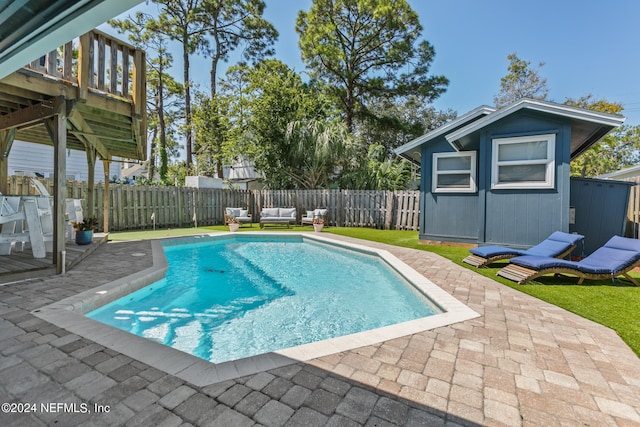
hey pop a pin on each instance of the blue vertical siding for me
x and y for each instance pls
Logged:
(446, 216)
(518, 218)
(601, 210)
(524, 217)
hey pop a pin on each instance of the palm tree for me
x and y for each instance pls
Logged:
(317, 150)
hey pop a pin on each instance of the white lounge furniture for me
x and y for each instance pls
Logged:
(74, 214)
(12, 219)
(73, 208)
(316, 213)
(286, 216)
(242, 215)
(26, 219)
(30, 219)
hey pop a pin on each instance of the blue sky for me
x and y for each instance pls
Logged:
(588, 47)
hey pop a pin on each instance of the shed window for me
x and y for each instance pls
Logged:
(454, 172)
(523, 162)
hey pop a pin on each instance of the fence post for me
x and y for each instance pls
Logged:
(339, 222)
(179, 199)
(388, 220)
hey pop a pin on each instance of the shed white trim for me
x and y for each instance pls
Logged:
(608, 121)
(411, 150)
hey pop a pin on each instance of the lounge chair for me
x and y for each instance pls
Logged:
(316, 213)
(241, 215)
(12, 220)
(615, 258)
(557, 245)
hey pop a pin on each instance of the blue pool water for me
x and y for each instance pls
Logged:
(228, 299)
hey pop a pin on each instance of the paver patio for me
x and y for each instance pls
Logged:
(522, 362)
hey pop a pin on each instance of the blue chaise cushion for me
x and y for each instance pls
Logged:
(552, 246)
(491, 251)
(616, 255)
(555, 244)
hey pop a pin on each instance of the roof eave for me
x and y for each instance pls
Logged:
(596, 136)
(415, 143)
(411, 159)
(604, 119)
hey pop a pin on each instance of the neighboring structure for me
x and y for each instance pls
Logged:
(502, 176)
(242, 175)
(203, 182)
(630, 172)
(131, 172)
(27, 158)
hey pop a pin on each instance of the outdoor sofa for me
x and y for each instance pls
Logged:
(618, 256)
(241, 215)
(557, 245)
(279, 216)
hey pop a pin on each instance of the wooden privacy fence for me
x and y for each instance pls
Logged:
(398, 210)
(134, 207)
(633, 212)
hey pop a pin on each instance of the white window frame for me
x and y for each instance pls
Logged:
(473, 187)
(549, 162)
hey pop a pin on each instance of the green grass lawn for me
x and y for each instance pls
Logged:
(613, 304)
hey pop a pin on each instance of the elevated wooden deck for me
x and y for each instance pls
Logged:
(90, 95)
(102, 82)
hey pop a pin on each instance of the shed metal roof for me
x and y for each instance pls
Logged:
(588, 126)
(411, 150)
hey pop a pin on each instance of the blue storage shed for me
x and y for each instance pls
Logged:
(599, 211)
(501, 176)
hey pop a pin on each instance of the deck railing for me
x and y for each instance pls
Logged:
(97, 61)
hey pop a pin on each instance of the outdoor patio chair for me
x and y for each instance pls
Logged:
(615, 258)
(316, 213)
(557, 245)
(12, 219)
(241, 215)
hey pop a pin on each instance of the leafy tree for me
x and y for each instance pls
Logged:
(172, 148)
(177, 173)
(619, 149)
(316, 150)
(377, 172)
(185, 22)
(162, 89)
(211, 125)
(233, 23)
(275, 96)
(396, 123)
(367, 48)
(236, 89)
(522, 81)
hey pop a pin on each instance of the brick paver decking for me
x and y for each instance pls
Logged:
(522, 362)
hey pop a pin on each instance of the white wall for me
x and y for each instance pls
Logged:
(28, 157)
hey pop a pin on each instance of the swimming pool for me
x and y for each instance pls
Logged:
(70, 314)
(227, 299)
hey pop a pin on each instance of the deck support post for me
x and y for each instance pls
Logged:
(91, 165)
(6, 141)
(105, 197)
(57, 127)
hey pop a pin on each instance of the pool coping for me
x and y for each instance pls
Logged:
(69, 314)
